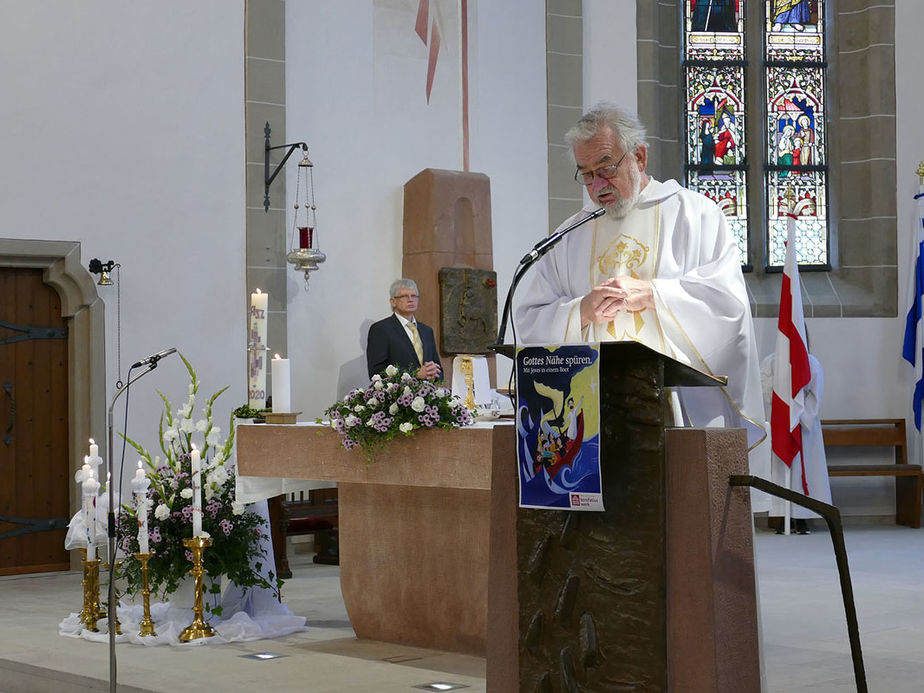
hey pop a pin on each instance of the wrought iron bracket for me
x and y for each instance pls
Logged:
(832, 516)
(30, 525)
(30, 332)
(268, 177)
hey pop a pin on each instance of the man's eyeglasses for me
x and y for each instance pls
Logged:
(606, 171)
(407, 296)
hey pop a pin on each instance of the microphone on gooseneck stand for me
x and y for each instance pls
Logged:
(154, 358)
(527, 261)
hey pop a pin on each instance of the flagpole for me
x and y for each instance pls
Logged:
(920, 336)
(787, 508)
(788, 512)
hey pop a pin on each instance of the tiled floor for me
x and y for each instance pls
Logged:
(804, 634)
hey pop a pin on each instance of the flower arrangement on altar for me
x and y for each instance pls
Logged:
(236, 533)
(393, 404)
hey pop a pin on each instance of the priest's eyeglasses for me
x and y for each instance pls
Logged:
(605, 171)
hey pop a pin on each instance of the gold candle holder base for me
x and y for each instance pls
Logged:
(198, 628)
(90, 613)
(147, 625)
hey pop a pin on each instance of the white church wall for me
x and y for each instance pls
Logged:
(122, 128)
(610, 57)
(356, 92)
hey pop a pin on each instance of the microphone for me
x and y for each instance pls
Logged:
(540, 249)
(545, 245)
(154, 358)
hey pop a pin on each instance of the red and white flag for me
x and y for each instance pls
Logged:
(791, 371)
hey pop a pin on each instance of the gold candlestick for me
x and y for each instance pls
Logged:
(467, 368)
(147, 625)
(90, 614)
(198, 628)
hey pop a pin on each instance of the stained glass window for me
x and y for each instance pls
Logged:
(791, 162)
(714, 63)
(796, 175)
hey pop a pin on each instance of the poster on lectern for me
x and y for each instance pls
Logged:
(558, 426)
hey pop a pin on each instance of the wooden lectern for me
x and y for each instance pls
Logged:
(657, 593)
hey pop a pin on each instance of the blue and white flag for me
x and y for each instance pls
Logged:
(913, 347)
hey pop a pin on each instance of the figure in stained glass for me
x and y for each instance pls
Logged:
(806, 133)
(795, 13)
(784, 148)
(707, 143)
(726, 138)
(714, 15)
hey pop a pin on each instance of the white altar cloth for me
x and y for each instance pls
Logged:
(261, 617)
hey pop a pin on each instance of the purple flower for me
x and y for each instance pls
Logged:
(226, 526)
(187, 513)
(154, 536)
(189, 556)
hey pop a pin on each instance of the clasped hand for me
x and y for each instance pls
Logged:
(429, 370)
(604, 301)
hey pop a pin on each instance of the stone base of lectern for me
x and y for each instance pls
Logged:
(610, 602)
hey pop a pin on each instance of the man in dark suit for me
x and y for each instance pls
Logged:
(400, 340)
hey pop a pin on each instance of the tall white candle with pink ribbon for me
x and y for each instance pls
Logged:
(89, 490)
(196, 467)
(140, 485)
(259, 302)
(93, 459)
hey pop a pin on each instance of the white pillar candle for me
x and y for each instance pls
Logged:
(257, 354)
(140, 486)
(197, 492)
(282, 385)
(94, 448)
(90, 489)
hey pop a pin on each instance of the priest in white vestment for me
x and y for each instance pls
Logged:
(661, 268)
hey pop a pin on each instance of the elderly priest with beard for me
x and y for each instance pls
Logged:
(660, 267)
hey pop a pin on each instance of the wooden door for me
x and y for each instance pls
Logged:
(34, 470)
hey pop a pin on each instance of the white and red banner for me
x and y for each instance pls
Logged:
(791, 370)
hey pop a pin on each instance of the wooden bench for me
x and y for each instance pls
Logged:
(909, 478)
(314, 512)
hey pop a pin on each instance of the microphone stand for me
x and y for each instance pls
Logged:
(110, 528)
(527, 261)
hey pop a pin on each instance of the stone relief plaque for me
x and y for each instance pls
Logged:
(468, 310)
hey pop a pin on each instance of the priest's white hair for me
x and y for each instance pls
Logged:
(630, 133)
(400, 284)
